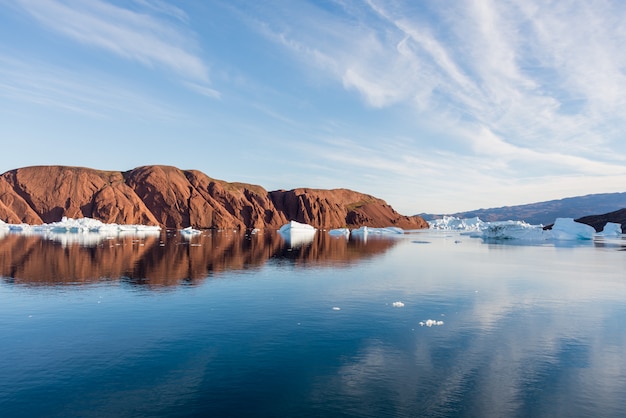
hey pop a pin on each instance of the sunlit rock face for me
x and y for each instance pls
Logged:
(174, 198)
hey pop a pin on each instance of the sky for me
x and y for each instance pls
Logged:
(435, 106)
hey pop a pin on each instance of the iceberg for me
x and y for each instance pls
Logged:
(514, 230)
(366, 230)
(452, 223)
(189, 232)
(84, 231)
(611, 229)
(339, 232)
(296, 233)
(568, 229)
(431, 323)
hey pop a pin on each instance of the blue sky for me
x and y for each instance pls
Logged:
(435, 106)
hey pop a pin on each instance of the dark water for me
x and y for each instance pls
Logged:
(228, 324)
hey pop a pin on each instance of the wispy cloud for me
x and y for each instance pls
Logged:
(527, 88)
(164, 8)
(92, 95)
(133, 35)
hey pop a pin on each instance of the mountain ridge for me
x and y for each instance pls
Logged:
(173, 198)
(547, 211)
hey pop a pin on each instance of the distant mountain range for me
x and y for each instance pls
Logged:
(546, 212)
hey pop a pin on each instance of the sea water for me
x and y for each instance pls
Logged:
(431, 323)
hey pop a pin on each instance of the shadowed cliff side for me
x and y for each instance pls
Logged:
(174, 198)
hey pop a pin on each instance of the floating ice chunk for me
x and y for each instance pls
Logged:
(336, 308)
(611, 229)
(568, 229)
(84, 231)
(339, 232)
(398, 304)
(452, 223)
(293, 226)
(366, 230)
(296, 233)
(189, 231)
(431, 323)
(514, 230)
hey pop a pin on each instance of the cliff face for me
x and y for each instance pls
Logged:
(174, 198)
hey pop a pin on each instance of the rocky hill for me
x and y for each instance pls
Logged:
(599, 221)
(174, 198)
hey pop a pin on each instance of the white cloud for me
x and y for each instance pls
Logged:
(132, 35)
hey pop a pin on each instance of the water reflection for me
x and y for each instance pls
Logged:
(168, 258)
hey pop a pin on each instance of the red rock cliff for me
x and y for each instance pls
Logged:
(174, 198)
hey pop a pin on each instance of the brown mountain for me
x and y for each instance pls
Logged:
(174, 198)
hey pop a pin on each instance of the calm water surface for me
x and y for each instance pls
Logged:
(227, 324)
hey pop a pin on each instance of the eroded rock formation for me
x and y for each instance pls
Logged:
(174, 198)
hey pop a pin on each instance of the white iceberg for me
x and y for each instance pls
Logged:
(567, 229)
(398, 304)
(611, 229)
(189, 231)
(85, 231)
(452, 223)
(297, 234)
(364, 231)
(514, 230)
(431, 323)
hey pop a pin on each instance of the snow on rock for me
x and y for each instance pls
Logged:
(568, 229)
(611, 229)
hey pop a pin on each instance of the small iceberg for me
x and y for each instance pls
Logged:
(297, 234)
(514, 230)
(339, 232)
(452, 223)
(431, 323)
(85, 231)
(611, 229)
(365, 231)
(398, 304)
(567, 229)
(189, 231)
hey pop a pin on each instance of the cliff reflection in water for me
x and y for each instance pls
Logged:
(168, 259)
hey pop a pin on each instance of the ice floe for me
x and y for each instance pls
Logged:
(189, 232)
(398, 304)
(563, 229)
(431, 323)
(82, 230)
(452, 223)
